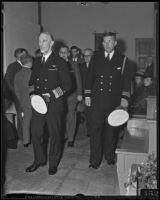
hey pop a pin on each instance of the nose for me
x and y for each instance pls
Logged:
(40, 43)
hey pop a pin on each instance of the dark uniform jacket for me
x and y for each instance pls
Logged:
(51, 77)
(108, 82)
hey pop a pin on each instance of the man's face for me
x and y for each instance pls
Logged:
(64, 53)
(138, 81)
(23, 53)
(29, 64)
(109, 43)
(45, 43)
(87, 56)
(74, 52)
(147, 81)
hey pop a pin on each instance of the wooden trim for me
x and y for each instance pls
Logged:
(40, 16)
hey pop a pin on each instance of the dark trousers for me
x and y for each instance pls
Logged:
(87, 118)
(26, 123)
(53, 120)
(71, 118)
(103, 137)
(19, 118)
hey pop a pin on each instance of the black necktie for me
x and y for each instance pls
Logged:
(43, 60)
(107, 58)
(69, 66)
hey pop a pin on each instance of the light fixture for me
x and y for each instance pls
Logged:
(85, 4)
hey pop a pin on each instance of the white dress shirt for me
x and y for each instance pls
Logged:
(46, 56)
(110, 54)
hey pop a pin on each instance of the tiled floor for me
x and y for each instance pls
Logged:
(73, 176)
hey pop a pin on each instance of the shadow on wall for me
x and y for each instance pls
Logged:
(57, 44)
(133, 67)
(121, 46)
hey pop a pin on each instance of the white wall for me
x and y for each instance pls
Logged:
(76, 25)
(21, 28)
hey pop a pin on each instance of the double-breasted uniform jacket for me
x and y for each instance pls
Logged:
(108, 82)
(51, 77)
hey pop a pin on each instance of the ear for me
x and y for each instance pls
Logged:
(115, 44)
(52, 43)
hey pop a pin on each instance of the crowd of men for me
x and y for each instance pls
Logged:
(95, 83)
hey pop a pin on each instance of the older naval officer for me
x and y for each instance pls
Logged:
(50, 78)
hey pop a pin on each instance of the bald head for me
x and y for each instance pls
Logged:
(46, 42)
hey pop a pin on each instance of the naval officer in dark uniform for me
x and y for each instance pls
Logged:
(50, 78)
(107, 86)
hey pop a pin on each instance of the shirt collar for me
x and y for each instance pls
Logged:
(110, 54)
(46, 56)
(19, 62)
(87, 64)
(75, 59)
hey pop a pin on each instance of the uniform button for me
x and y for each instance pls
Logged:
(101, 89)
(110, 76)
(37, 79)
(101, 82)
(101, 76)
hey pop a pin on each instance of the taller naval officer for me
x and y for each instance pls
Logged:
(107, 86)
(50, 78)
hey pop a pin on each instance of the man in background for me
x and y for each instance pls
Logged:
(22, 90)
(75, 55)
(74, 95)
(88, 53)
(139, 105)
(12, 70)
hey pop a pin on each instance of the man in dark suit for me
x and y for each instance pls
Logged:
(88, 53)
(74, 96)
(75, 56)
(50, 78)
(22, 90)
(107, 87)
(12, 70)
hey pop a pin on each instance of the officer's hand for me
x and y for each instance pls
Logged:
(22, 114)
(46, 94)
(88, 101)
(31, 88)
(79, 98)
(19, 114)
(124, 103)
(47, 97)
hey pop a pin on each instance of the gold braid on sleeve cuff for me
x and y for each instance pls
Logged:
(58, 92)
